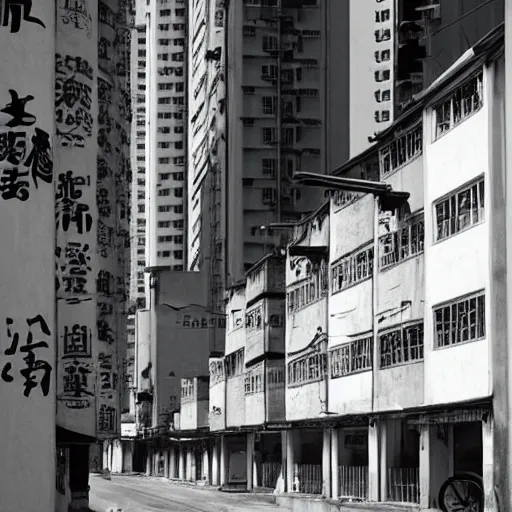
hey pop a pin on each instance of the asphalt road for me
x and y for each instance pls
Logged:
(141, 494)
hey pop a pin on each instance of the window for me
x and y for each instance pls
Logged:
(178, 255)
(164, 192)
(141, 182)
(399, 346)
(352, 357)
(460, 321)
(141, 251)
(178, 267)
(164, 145)
(141, 53)
(162, 239)
(404, 242)
(269, 135)
(178, 224)
(141, 208)
(254, 381)
(464, 101)
(178, 239)
(269, 71)
(177, 57)
(178, 192)
(165, 87)
(141, 75)
(180, 12)
(178, 176)
(309, 368)
(179, 42)
(269, 104)
(234, 363)
(164, 224)
(307, 291)
(178, 100)
(164, 42)
(164, 160)
(178, 129)
(164, 129)
(166, 254)
(141, 158)
(268, 195)
(164, 208)
(401, 151)
(165, 175)
(269, 43)
(141, 263)
(163, 26)
(164, 101)
(460, 210)
(253, 319)
(179, 160)
(352, 269)
(165, 12)
(268, 166)
(178, 26)
(180, 87)
(249, 31)
(178, 208)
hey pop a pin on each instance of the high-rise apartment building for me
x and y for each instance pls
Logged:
(159, 128)
(268, 97)
(399, 47)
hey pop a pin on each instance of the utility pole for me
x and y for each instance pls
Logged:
(503, 481)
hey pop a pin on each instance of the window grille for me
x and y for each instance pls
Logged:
(401, 150)
(401, 244)
(459, 105)
(309, 368)
(352, 357)
(460, 321)
(402, 345)
(352, 269)
(460, 210)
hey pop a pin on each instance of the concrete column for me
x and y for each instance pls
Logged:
(110, 455)
(373, 462)
(249, 453)
(105, 455)
(383, 463)
(149, 461)
(215, 462)
(192, 464)
(436, 461)
(156, 462)
(172, 462)
(223, 460)
(206, 467)
(281, 482)
(181, 469)
(188, 464)
(290, 461)
(166, 463)
(488, 463)
(326, 462)
(335, 470)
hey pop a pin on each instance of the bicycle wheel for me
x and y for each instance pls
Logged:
(463, 492)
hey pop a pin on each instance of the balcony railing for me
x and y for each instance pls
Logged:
(354, 482)
(404, 485)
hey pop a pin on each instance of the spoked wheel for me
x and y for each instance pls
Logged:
(462, 493)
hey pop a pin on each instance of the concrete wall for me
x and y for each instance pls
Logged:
(235, 401)
(28, 281)
(217, 406)
(457, 265)
(255, 400)
(275, 395)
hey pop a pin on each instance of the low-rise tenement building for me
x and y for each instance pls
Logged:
(362, 359)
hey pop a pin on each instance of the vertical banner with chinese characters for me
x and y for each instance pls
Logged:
(76, 214)
(27, 305)
(112, 194)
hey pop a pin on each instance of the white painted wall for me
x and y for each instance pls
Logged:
(458, 265)
(27, 284)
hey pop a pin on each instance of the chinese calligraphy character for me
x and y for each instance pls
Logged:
(105, 333)
(76, 379)
(77, 341)
(71, 211)
(40, 158)
(106, 418)
(12, 147)
(16, 109)
(12, 186)
(18, 9)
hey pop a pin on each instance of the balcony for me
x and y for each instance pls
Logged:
(194, 403)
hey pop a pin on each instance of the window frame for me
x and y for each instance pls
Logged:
(406, 347)
(351, 358)
(455, 303)
(451, 198)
